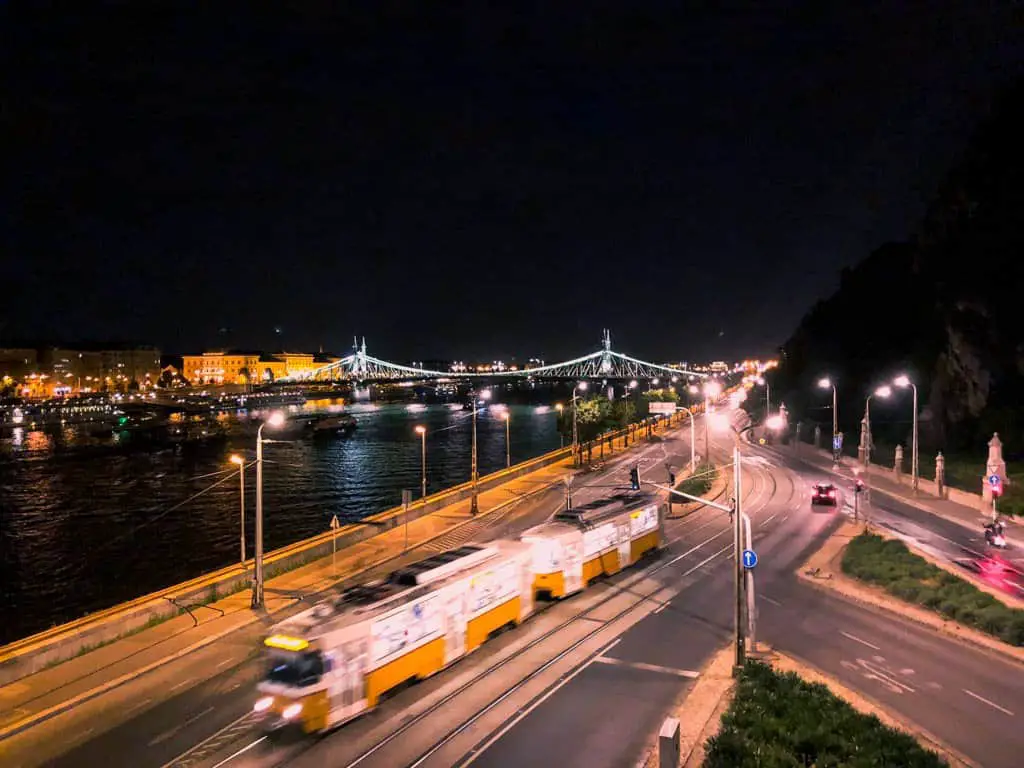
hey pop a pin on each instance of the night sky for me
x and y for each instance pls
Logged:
(471, 182)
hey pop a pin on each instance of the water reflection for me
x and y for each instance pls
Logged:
(80, 530)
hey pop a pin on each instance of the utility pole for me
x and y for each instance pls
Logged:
(740, 658)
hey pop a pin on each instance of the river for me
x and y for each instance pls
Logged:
(81, 531)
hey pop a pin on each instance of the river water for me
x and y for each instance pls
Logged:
(81, 531)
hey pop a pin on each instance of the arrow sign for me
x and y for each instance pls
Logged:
(335, 525)
(749, 558)
(993, 480)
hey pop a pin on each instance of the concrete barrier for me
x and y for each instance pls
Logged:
(36, 652)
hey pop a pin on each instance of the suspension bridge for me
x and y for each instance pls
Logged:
(605, 363)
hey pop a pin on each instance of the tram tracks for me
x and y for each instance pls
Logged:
(536, 655)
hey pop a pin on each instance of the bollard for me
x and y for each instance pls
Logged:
(668, 744)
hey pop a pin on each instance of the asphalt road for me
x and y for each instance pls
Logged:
(201, 696)
(967, 697)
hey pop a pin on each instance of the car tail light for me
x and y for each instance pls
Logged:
(831, 494)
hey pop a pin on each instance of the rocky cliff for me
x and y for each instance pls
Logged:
(946, 307)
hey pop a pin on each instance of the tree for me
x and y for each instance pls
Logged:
(623, 413)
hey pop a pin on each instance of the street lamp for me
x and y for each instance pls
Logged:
(240, 462)
(903, 382)
(561, 439)
(767, 394)
(276, 419)
(422, 432)
(826, 383)
(474, 506)
(693, 448)
(508, 446)
(575, 433)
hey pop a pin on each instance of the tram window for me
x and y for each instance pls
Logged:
(298, 669)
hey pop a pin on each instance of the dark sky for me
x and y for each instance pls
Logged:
(472, 181)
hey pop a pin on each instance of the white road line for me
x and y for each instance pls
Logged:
(183, 682)
(142, 703)
(990, 703)
(773, 602)
(223, 663)
(561, 683)
(858, 640)
(784, 519)
(767, 520)
(239, 752)
(661, 607)
(167, 734)
(647, 667)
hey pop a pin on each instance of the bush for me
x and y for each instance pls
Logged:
(889, 564)
(699, 482)
(778, 720)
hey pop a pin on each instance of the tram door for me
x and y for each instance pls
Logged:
(455, 624)
(348, 681)
(622, 535)
(573, 572)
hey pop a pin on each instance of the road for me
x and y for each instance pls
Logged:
(589, 679)
(161, 716)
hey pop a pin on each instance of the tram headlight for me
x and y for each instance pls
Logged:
(262, 705)
(291, 711)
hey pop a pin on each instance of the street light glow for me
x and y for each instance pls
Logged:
(420, 429)
(694, 389)
(712, 389)
(902, 381)
(825, 383)
(485, 394)
(559, 406)
(505, 415)
(276, 419)
(883, 391)
(236, 459)
(633, 384)
(582, 385)
(774, 422)
(654, 381)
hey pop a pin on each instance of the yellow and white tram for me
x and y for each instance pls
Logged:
(336, 660)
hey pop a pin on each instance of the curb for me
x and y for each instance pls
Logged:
(57, 709)
(964, 635)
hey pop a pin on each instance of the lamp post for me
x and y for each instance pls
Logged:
(508, 444)
(422, 432)
(884, 391)
(767, 395)
(826, 383)
(276, 419)
(240, 462)
(575, 433)
(561, 438)
(903, 382)
(693, 448)
(474, 506)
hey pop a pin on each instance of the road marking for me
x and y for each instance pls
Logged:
(648, 667)
(773, 602)
(223, 663)
(239, 752)
(167, 734)
(768, 520)
(661, 607)
(858, 640)
(183, 682)
(561, 683)
(142, 703)
(990, 703)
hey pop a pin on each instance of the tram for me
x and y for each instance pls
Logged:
(338, 659)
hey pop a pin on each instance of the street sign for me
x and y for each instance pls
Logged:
(837, 443)
(335, 525)
(749, 558)
(994, 480)
(659, 407)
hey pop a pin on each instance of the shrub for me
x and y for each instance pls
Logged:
(778, 720)
(699, 482)
(889, 564)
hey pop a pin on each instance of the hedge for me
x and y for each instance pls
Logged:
(889, 564)
(698, 483)
(778, 720)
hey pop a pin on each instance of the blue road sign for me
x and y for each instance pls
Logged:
(993, 480)
(837, 443)
(749, 558)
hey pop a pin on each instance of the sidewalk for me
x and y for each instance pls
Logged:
(40, 696)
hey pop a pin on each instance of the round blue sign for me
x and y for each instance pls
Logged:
(749, 558)
(993, 480)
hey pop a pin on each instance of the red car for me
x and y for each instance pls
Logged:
(824, 493)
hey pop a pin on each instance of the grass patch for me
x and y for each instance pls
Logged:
(699, 482)
(889, 564)
(779, 720)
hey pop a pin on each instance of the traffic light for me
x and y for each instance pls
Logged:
(634, 478)
(672, 479)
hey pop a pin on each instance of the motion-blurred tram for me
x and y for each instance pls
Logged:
(336, 660)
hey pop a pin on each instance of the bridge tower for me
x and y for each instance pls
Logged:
(606, 353)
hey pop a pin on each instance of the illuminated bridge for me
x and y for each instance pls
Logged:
(605, 363)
